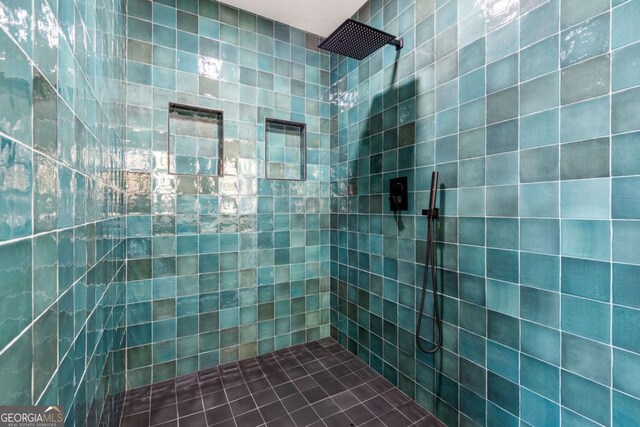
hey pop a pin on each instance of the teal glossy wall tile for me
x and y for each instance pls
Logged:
(540, 23)
(16, 301)
(540, 271)
(625, 374)
(574, 12)
(539, 94)
(623, 107)
(586, 397)
(503, 297)
(540, 187)
(245, 256)
(540, 164)
(625, 203)
(585, 120)
(580, 235)
(216, 270)
(587, 358)
(536, 410)
(45, 340)
(502, 74)
(503, 393)
(588, 279)
(625, 154)
(540, 377)
(17, 365)
(540, 342)
(625, 328)
(625, 235)
(586, 199)
(624, 31)
(573, 419)
(539, 200)
(540, 236)
(539, 59)
(62, 222)
(502, 360)
(587, 318)
(625, 409)
(502, 41)
(540, 129)
(16, 173)
(585, 159)
(586, 80)
(624, 289)
(17, 84)
(586, 40)
(540, 306)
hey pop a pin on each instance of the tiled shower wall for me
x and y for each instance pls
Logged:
(529, 111)
(62, 242)
(222, 268)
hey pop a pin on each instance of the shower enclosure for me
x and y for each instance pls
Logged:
(240, 262)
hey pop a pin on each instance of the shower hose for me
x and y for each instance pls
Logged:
(430, 261)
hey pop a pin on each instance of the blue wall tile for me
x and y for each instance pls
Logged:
(537, 410)
(625, 328)
(586, 318)
(536, 251)
(625, 238)
(589, 279)
(625, 285)
(214, 236)
(506, 181)
(623, 108)
(625, 409)
(586, 199)
(624, 31)
(586, 120)
(625, 372)
(16, 206)
(586, 358)
(580, 234)
(540, 377)
(585, 40)
(625, 201)
(62, 213)
(586, 397)
(625, 153)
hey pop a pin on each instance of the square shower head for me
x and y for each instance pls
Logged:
(357, 40)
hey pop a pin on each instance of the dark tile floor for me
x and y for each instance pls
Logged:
(315, 384)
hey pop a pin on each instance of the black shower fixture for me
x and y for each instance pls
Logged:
(430, 265)
(357, 40)
(398, 194)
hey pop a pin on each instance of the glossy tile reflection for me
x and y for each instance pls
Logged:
(233, 266)
(62, 225)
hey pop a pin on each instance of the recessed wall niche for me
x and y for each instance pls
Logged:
(285, 150)
(195, 140)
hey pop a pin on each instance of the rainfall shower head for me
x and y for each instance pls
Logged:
(357, 40)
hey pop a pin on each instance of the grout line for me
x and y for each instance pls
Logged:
(611, 222)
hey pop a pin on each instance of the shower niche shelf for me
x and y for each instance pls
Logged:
(195, 140)
(285, 150)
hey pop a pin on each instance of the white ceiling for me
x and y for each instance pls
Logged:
(315, 16)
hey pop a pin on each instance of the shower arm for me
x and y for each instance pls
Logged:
(397, 42)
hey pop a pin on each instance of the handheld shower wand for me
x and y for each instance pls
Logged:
(430, 261)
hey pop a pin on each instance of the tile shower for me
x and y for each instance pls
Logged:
(121, 281)
(222, 268)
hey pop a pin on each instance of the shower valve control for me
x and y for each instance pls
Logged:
(398, 194)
